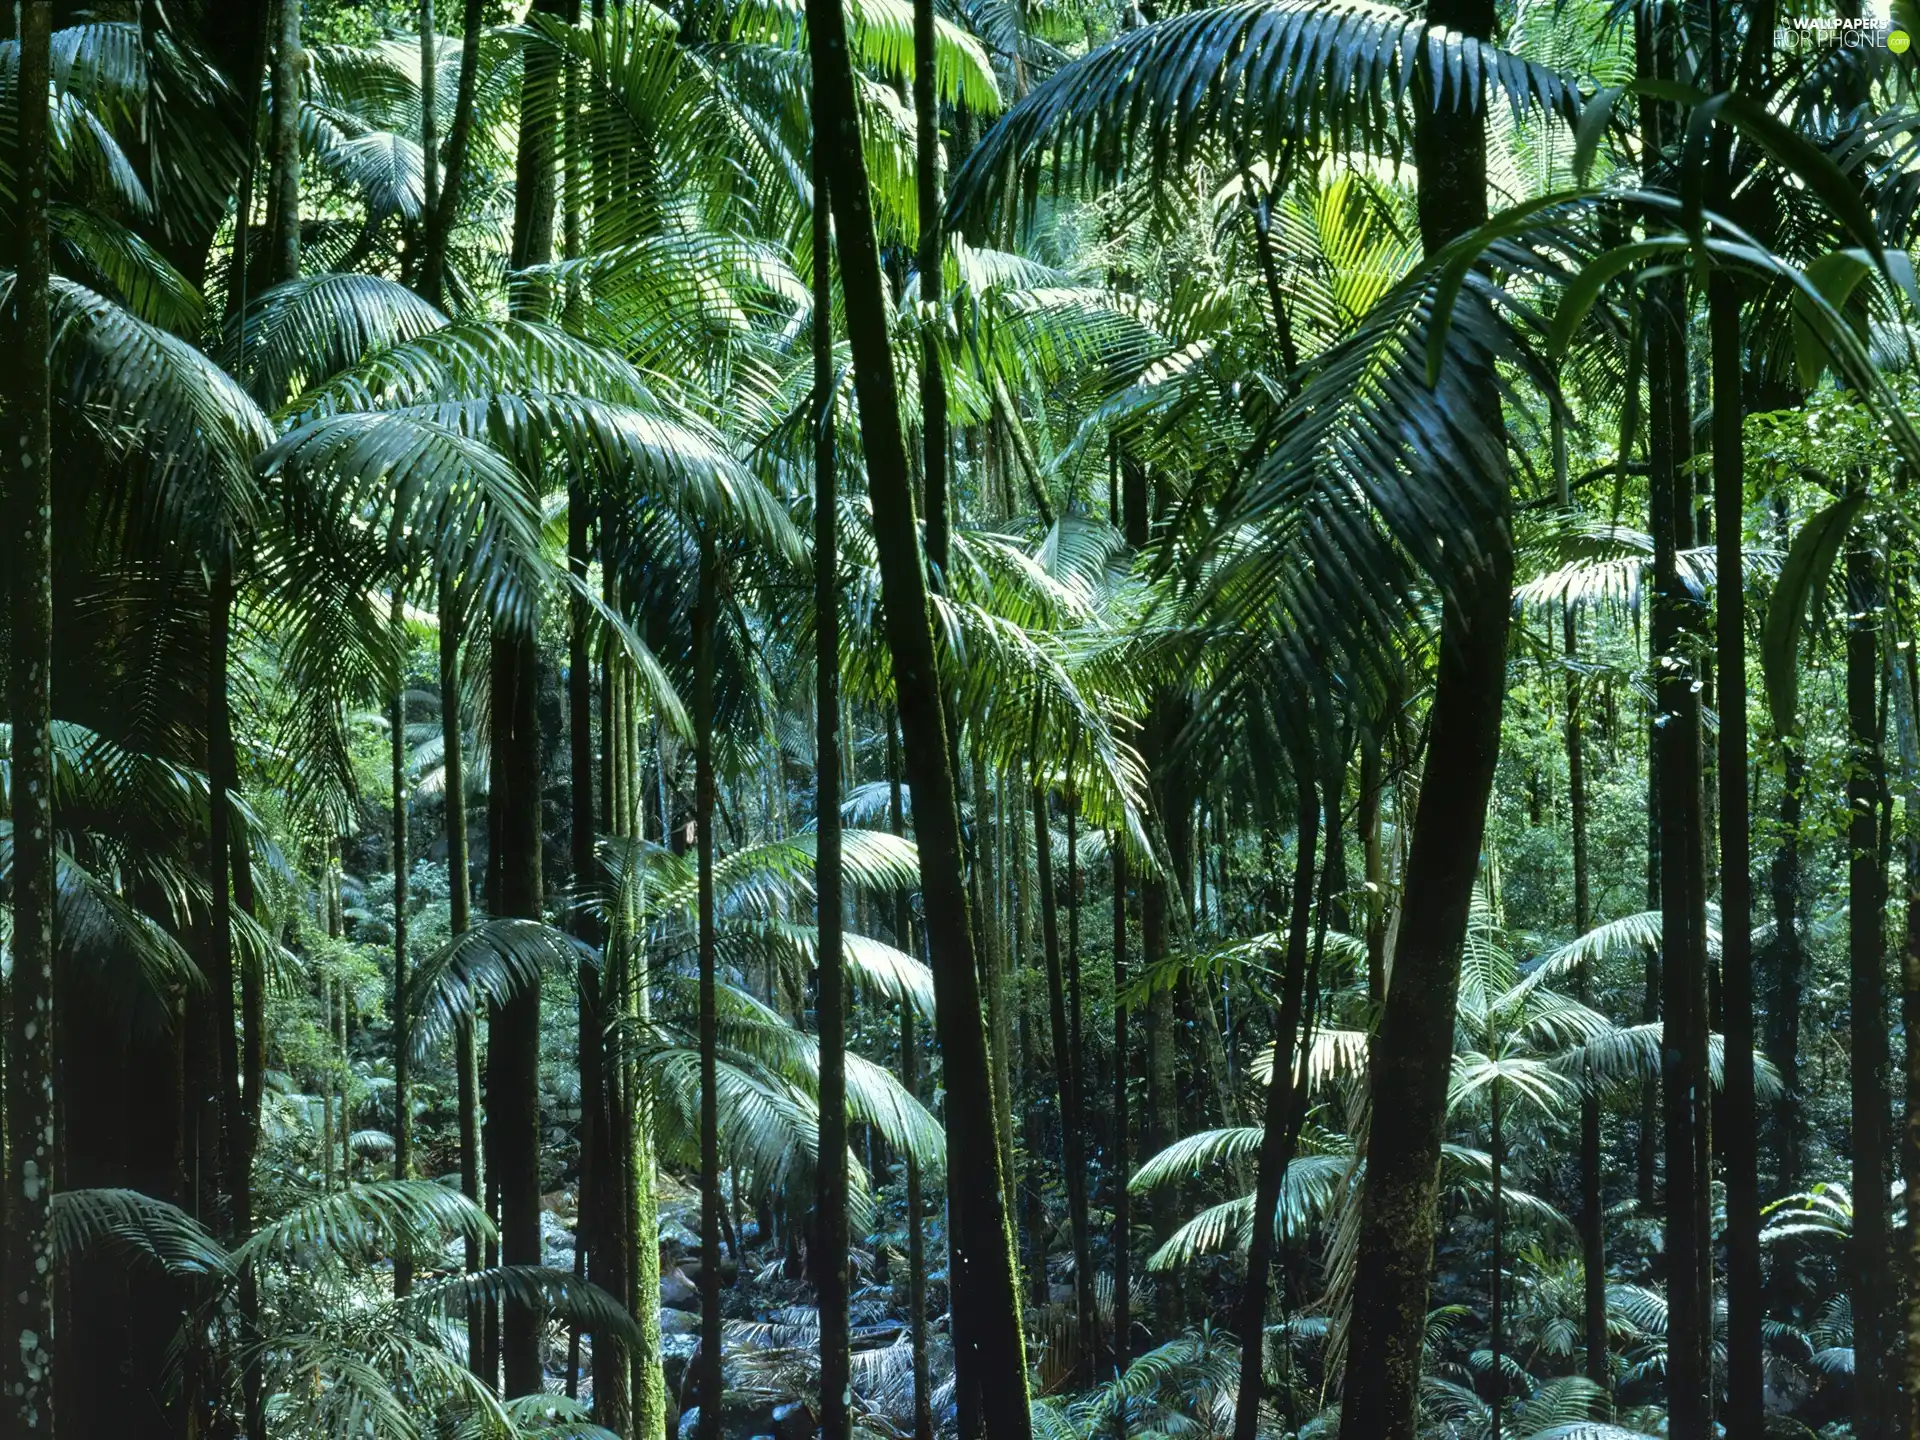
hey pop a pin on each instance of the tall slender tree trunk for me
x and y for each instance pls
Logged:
(513, 1100)
(27, 1337)
(989, 1348)
(1677, 766)
(1903, 678)
(591, 1248)
(1593, 1243)
(429, 115)
(235, 1153)
(1682, 891)
(1783, 1047)
(1121, 1245)
(1740, 1131)
(708, 1375)
(1162, 1119)
(640, 1199)
(1866, 947)
(1003, 954)
(459, 916)
(1496, 1281)
(284, 199)
(595, 1217)
(1282, 1119)
(445, 208)
(910, 1077)
(402, 1001)
(831, 1280)
(929, 263)
(1072, 1118)
(1415, 1050)
(513, 1050)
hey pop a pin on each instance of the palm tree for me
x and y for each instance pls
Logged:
(990, 1354)
(831, 1275)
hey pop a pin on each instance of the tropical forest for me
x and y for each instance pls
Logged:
(959, 720)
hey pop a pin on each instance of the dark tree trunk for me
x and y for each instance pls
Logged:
(1789, 975)
(1740, 1132)
(235, 1151)
(1682, 890)
(402, 1005)
(1414, 1054)
(1283, 1115)
(831, 1279)
(1866, 947)
(442, 213)
(933, 249)
(1163, 1101)
(459, 906)
(513, 1051)
(26, 1338)
(594, 1216)
(1647, 1143)
(429, 112)
(910, 1077)
(1122, 1061)
(1904, 677)
(1593, 1244)
(707, 1374)
(1072, 1118)
(284, 198)
(513, 1100)
(1496, 1280)
(989, 1349)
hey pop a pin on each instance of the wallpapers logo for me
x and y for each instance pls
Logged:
(1825, 32)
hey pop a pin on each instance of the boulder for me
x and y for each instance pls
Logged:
(677, 1292)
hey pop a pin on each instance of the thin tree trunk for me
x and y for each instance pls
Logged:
(593, 1217)
(1593, 1243)
(1789, 977)
(1683, 938)
(513, 1101)
(929, 262)
(1281, 1123)
(1415, 1050)
(459, 907)
(236, 1155)
(1745, 1384)
(26, 1339)
(442, 213)
(707, 1375)
(1903, 679)
(1497, 1286)
(1866, 946)
(402, 1005)
(994, 962)
(1072, 1119)
(1122, 1055)
(831, 1278)
(1078, 1066)
(989, 1349)
(429, 113)
(648, 1378)
(513, 1050)
(284, 200)
(910, 1077)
